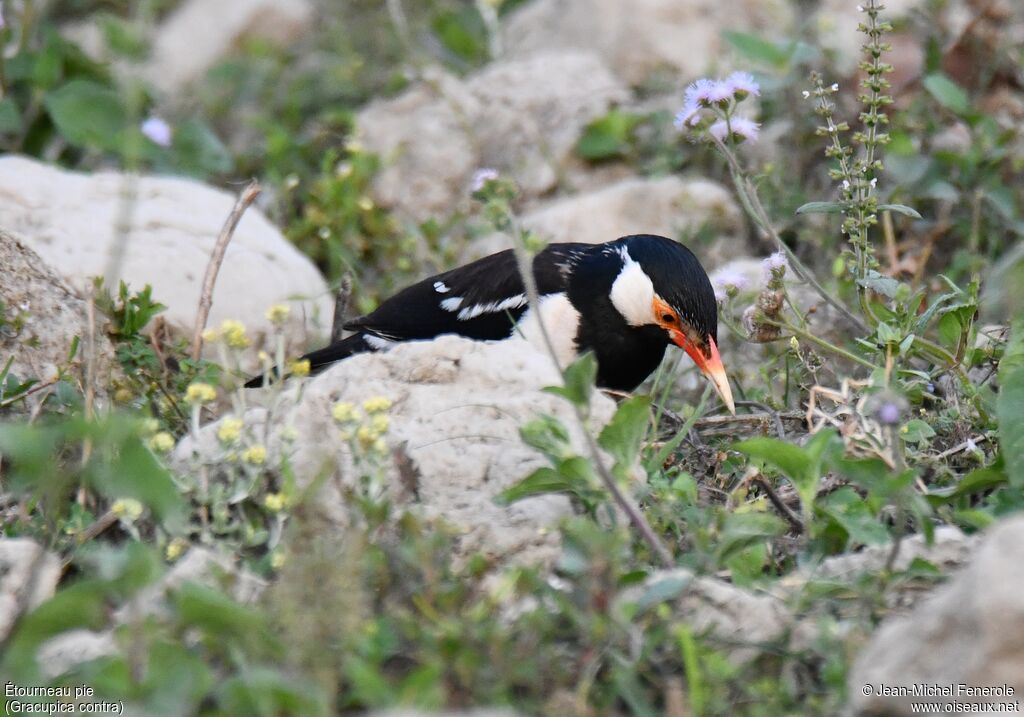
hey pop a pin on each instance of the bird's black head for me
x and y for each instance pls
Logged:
(661, 283)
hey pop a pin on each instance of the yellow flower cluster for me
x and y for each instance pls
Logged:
(199, 393)
(176, 548)
(230, 429)
(255, 455)
(162, 442)
(275, 502)
(372, 425)
(376, 404)
(278, 314)
(127, 508)
(344, 412)
(299, 367)
(234, 334)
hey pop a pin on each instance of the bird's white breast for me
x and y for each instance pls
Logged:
(560, 318)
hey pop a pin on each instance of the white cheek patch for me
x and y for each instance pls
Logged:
(633, 293)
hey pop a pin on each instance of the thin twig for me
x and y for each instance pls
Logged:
(247, 197)
(525, 264)
(340, 308)
(792, 518)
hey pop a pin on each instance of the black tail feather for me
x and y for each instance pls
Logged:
(319, 359)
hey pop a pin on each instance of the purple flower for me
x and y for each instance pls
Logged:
(742, 84)
(688, 115)
(481, 177)
(774, 265)
(727, 278)
(157, 131)
(742, 129)
(719, 92)
(888, 413)
(699, 93)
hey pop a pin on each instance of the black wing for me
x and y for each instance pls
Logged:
(475, 300)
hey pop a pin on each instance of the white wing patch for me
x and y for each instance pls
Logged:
(493, 307)
(452, 304)
(633, 292)
(562, 321)
(441, 288)
(381, 344)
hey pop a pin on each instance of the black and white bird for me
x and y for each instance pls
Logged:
(624, 300)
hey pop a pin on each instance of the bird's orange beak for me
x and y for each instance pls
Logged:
(710, 365)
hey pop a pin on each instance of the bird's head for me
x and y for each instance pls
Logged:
(662, 284)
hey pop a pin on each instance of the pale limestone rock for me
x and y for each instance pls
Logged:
(733, 619)
(69, 219)
(200, 33)
(532, 112)
(424, 139)
(522, 117)
(28, 577)
(638, 37)
(458, 407)
(51, 316)
(969, 631)
(669, 206)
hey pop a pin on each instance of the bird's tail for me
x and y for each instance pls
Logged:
(319, 359)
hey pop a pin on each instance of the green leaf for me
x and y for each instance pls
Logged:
(543, 480)
(741, 530)
(1010, 405)
(881, 284)
(947, 93)
(608, 136)
(851, 512)
(10, 116)
(788, 458)
(88, 114)
(662, 590)
(579, 380)
(759, 50)
(900, 209)
(135, 472)
(198, 151)
(820, 208)
(917, 431)
(624, 433)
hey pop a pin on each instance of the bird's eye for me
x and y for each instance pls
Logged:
(668, 318)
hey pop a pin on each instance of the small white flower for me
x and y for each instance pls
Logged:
(873, 182)
(157, 131)
(860, 8)
(846, 184)
(481, 177)
(835, 87)
(806, 94)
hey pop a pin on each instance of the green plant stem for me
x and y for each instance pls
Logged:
(525, 263)
(822, 343)
(755, 210)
